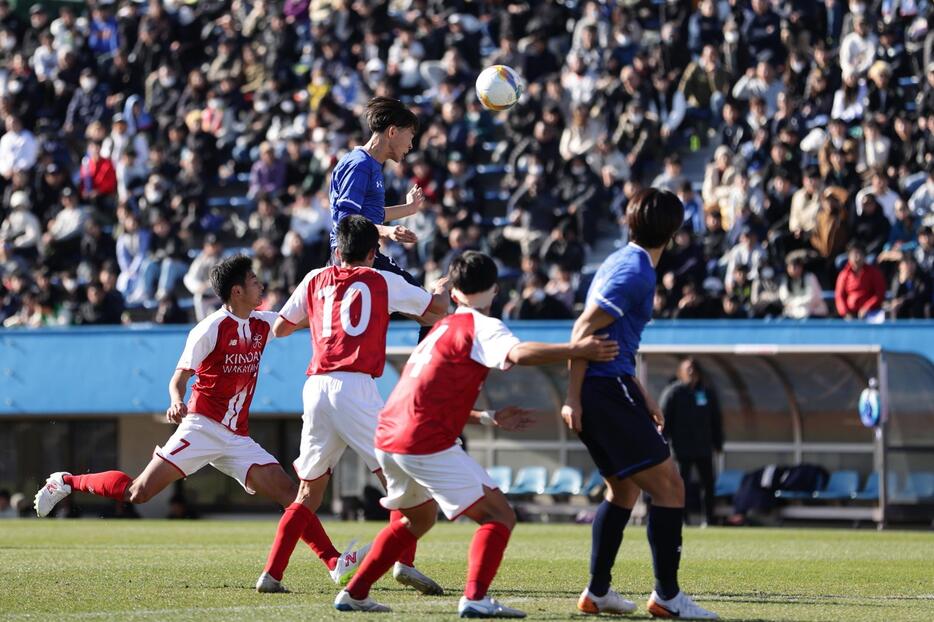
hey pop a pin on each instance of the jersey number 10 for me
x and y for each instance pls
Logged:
(328, 294)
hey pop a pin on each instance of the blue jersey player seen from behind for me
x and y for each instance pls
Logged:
(620, 423)
(357, 185)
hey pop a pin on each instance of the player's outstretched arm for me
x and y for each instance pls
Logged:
(590, 321)
(284, 328)
(415, 201)
(592, 348)
(178, 386)
(510, 418)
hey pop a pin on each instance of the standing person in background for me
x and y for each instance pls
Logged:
(694, 425)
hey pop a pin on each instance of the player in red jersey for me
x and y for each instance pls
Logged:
(348, 308)
(417, 437)
(223, 351)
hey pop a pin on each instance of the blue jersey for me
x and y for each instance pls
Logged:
(357, 188)
(624, 287)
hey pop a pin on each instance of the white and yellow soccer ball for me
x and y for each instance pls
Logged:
(498, 87)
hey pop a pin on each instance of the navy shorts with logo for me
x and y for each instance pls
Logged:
(617, 428)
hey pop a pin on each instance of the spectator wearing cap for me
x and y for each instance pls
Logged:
(800, 292)
(860, 288)
(198, 277)
(18, 148)
(21, 228)
(88, 104)
(62, 239)
(267, 176)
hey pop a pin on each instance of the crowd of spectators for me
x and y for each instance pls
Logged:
(144, 140)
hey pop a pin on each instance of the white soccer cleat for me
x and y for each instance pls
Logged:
(611, 602)
(486, 607)
(345, 602)
(410, 576)
(266, 584)
(681, 606)
(54, 490)
(348, 563)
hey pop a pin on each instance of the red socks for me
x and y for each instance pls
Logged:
(384, 552)
(291, 527)
(112, 484)
(486, 553)
(407, 556)
(315, 537)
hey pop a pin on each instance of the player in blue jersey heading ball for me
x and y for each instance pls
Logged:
(621, 424)
(357, 181)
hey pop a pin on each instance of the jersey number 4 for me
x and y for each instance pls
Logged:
(422, 354)
(328, 294)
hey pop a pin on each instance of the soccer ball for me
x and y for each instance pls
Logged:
(498, 87)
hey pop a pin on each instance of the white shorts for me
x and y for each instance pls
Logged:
(341, 410)
(199, 441)
(450, 477)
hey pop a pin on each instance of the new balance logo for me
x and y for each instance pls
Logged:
(233, 342)
(351, 558)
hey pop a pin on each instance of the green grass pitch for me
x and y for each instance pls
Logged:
(205, 570)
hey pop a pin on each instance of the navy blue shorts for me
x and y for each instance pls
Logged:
(617, 428)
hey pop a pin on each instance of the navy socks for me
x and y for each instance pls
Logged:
(664, 533)
(608, 526)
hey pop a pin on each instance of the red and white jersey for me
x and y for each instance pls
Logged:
(348, 311)
(431, 404)
(224, 350)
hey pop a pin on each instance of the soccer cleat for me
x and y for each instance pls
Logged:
(486, 607)
(410, 576)
(54, 490)
(611, 602)
(345, 602)
(266, 584)
(681, 606)
(348, 563)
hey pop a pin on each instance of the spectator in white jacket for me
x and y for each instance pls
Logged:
(21, 228)
(198, 277)
(760, 82)
(858, 49)
(18, 148)
(747, 253)
(800, 292)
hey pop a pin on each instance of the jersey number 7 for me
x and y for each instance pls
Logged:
(329, 293)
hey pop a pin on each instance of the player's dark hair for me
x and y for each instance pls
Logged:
(473, 272)
(356, 237)
(228, 273)
(383, 112)
(653, 216)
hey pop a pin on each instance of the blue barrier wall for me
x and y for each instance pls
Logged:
(126, 370)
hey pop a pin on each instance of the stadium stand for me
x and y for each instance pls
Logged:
(136, 131)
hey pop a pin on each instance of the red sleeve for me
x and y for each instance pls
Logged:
(877, 290)
(839, 295)
(106, 177)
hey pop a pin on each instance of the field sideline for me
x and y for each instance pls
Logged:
(205, 570)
